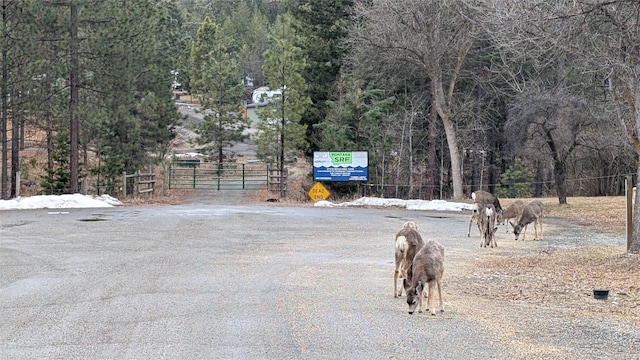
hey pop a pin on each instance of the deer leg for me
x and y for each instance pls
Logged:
(395, 284)
(395, 279)
(430, 299)
(440, 295)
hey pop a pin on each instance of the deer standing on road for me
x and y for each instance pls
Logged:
(408, 243)
(511, 212)
(487, 225)
(484, 197)
(532, 213)
(427, 270)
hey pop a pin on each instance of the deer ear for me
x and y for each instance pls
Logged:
(419, 288)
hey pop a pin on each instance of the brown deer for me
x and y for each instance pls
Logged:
(511, 212)
(427, 270)
(532, 213)
(408, 242)
(485, 197)
(487, 225)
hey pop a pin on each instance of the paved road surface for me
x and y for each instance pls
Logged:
(207, 281)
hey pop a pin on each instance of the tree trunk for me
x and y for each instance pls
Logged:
(49, 148)
(539, 180)
(561, 185)
(450, 132)
(431, 151)
(15, 150)
(3, 136)
(634, 247)
(74, 82)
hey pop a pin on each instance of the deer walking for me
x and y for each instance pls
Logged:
(427, 270)
(484, 197)
(408, 243)
(532, 213)
(511, 212)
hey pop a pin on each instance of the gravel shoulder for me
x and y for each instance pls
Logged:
(537, 296)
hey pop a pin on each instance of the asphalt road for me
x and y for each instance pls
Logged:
(203, 281)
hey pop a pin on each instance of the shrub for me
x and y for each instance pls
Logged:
(516, 182)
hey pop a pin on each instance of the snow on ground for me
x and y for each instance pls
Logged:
(434, 205)
(92, 201)
(70, 201)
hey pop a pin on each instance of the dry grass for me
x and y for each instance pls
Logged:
(565, 278)
(607, 213)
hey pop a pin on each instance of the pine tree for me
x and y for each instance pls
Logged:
(321, 26)
(280, 121)
(57, 179)
(217, 81)
(16, 80)
(127, 102)
(517, 181)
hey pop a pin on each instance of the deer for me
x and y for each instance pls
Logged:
(427, 270)
(485, 197)
(532, 213)
(511, 212)
(487, 224)
(408, 242)
(410, 225)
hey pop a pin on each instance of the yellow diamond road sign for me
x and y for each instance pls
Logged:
(318, 192)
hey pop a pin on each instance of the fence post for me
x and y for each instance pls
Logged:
(124, 183)
(18, 185)
(630, 198)
(136, 183)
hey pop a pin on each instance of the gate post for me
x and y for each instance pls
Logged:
(243, 176)
(218, 173)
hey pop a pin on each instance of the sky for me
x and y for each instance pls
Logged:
(74, 201)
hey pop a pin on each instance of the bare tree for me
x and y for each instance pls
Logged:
(601, 37)
(552, 124)
(433, 37)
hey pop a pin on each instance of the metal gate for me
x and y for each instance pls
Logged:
(193, 174)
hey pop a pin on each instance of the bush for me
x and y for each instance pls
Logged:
(516, 182)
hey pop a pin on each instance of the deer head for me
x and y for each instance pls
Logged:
(413, 296)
